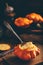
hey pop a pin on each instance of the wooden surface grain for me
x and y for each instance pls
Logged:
(13, 60)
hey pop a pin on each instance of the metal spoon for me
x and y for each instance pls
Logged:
(11, 29)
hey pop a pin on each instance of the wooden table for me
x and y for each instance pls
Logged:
(12, 60)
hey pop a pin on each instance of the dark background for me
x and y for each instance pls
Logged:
(22, 7)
